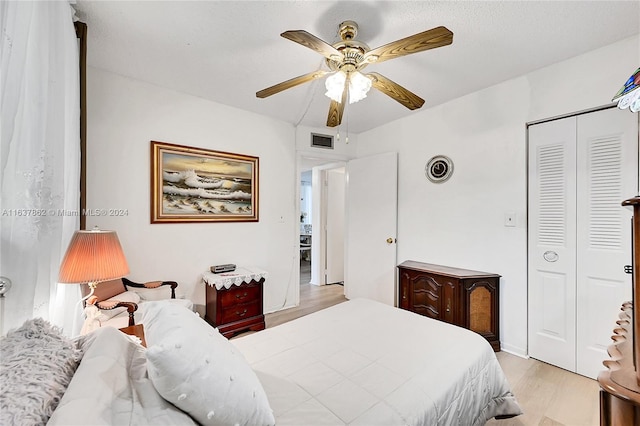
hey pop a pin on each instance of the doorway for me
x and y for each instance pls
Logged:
(322, 201)
(580, 169)
(321, 206)
(306, 215)
(370, 226)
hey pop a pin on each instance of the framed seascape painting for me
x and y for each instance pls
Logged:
(200, 185)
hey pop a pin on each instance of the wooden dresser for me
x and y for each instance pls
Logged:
(235, 308)
(458, 296)
(620, 383)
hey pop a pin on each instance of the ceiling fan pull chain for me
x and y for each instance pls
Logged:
(346, 107)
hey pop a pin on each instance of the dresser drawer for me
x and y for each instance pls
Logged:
(243, 294)
(240, 311)
(426, 295)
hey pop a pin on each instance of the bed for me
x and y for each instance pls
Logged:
(365, 363)
(359, 363)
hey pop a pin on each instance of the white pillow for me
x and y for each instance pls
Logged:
(111, 387)
(201, 372)
(127, 296)
(153, 294)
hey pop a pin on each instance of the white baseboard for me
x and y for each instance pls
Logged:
(514, 350)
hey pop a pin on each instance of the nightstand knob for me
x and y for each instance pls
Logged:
(241, 314)
(241, 296)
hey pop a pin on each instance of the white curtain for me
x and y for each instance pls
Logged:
(39, 160)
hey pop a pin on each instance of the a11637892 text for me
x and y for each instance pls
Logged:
(63, 212)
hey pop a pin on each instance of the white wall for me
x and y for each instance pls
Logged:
(461, 222)
(124, 115)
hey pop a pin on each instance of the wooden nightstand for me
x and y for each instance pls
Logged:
(237, 307)
(136, 330)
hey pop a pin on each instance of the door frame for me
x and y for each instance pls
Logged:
(319, 221)
(303, 159)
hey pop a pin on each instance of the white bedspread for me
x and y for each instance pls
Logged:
(365, 363)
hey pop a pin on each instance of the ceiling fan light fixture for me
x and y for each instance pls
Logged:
(335, 86)
(359, 86)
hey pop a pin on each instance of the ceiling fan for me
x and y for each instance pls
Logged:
(349, 56)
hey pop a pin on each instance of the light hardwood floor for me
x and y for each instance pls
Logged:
(548, 395)
(312, 298)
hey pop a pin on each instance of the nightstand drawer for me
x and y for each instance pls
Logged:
(243, 294)
(240, 311)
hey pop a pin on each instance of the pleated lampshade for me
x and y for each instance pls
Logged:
(93, 256)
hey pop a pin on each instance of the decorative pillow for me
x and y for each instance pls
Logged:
(36, 365)
(201, 372)
(154, 293)
(127, 296)
(111, 387)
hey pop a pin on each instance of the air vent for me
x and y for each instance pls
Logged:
(321, 141)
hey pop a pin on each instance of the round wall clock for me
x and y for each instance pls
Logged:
(439, 169)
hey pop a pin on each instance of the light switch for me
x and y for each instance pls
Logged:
(510, 219)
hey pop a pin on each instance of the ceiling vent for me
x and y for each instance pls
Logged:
(321, 141)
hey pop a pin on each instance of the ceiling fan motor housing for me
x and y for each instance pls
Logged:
(348, 30)
(352, 50)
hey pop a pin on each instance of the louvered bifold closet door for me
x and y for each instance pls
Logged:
(607, 147)
(580, 170)
(552, 241)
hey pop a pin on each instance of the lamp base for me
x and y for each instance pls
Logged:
(92, 286)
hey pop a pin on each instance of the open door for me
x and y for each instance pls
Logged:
(371, 227)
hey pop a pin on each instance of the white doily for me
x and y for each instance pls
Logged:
(240, 275)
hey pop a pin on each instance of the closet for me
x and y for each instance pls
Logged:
(580, 167)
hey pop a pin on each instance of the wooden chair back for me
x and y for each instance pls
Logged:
(105, 290)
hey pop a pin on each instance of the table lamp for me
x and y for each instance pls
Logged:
(92, 257)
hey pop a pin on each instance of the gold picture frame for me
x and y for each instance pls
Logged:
(201, 185)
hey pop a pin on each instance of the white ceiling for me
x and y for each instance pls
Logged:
(225, 51)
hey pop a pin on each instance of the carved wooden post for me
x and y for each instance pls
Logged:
(635, 204)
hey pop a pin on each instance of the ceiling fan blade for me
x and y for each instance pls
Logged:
(394, 90)
(336, 109)
(290, 83)
(430, 39)
(314, 43)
